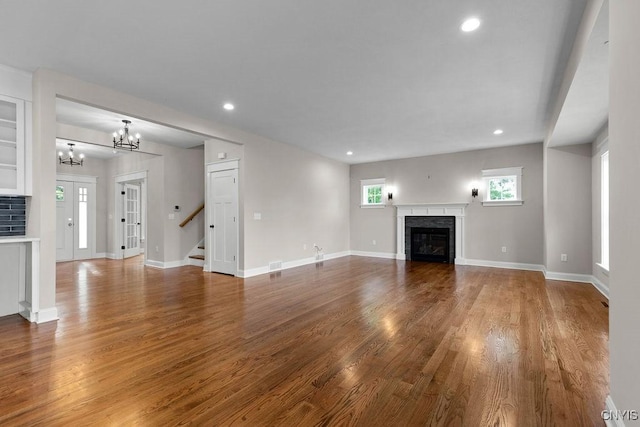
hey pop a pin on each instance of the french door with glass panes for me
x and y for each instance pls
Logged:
(75, 220)
(131, 216)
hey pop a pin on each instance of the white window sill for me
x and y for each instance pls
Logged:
(372, 206)
(502, 203)
(605, 270)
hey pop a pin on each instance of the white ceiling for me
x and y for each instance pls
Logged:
(383, 79)
(73, 113)
(586, 108)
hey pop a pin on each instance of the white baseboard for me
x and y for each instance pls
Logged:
(567, 277)
(192, 261)
(604, 289)
(386, 255)
(291, 264)
(100, 255)
(253, 272)
(611, 416)
(27, 312)
(47, 315)
(502, 264)
(110, 255)
(581, 278)
(160, 264)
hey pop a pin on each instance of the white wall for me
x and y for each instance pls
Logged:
(624, 161)
(447, 178)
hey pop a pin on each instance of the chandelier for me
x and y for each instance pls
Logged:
(122, 139)
(70, 159)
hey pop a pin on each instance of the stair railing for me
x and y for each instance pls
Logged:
(192, 215)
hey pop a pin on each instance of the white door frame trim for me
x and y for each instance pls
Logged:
(223, 165)
(85, 179)
(77, 178)
(118, 230)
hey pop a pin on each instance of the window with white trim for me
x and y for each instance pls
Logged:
(372, 192)
(502, 187)
(604, 206)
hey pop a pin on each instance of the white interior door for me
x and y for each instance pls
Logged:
(222, 247)
(132, 220)
(75, 220)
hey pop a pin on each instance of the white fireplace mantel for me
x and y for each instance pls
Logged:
(431, 209)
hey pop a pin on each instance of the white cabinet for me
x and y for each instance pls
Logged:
(20, 279)
(15, 135)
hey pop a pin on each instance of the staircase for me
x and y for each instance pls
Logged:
(196, 256)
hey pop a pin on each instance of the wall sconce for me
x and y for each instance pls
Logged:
(474, 189)
(390, 190)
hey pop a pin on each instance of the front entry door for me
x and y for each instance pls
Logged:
(223, 225)
(132, 220)
(75, 220)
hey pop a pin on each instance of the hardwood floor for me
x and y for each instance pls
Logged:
(355, 341)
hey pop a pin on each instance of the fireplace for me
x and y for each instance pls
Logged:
(430, 244)
(430, 238)
(431, 215)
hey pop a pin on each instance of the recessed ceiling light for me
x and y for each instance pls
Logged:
(228, 106)
(349, 153)
(470, 24)
(498, 132)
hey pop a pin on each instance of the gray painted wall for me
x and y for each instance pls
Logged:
(447, 178)
(624, 161)
(183, 186)
(303, 198)
(568, 219)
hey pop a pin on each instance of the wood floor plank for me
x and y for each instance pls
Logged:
(352, 341)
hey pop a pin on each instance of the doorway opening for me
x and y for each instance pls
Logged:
(75, 217)
(130, 219)
(221, 210)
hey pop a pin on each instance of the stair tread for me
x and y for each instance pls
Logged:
(197, 257)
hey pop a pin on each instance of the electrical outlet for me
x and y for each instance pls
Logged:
(563, 257)
(304, 247)
(157, 249)
(374, 242)
(504, 249)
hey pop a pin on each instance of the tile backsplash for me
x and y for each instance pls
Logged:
(13, 219)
